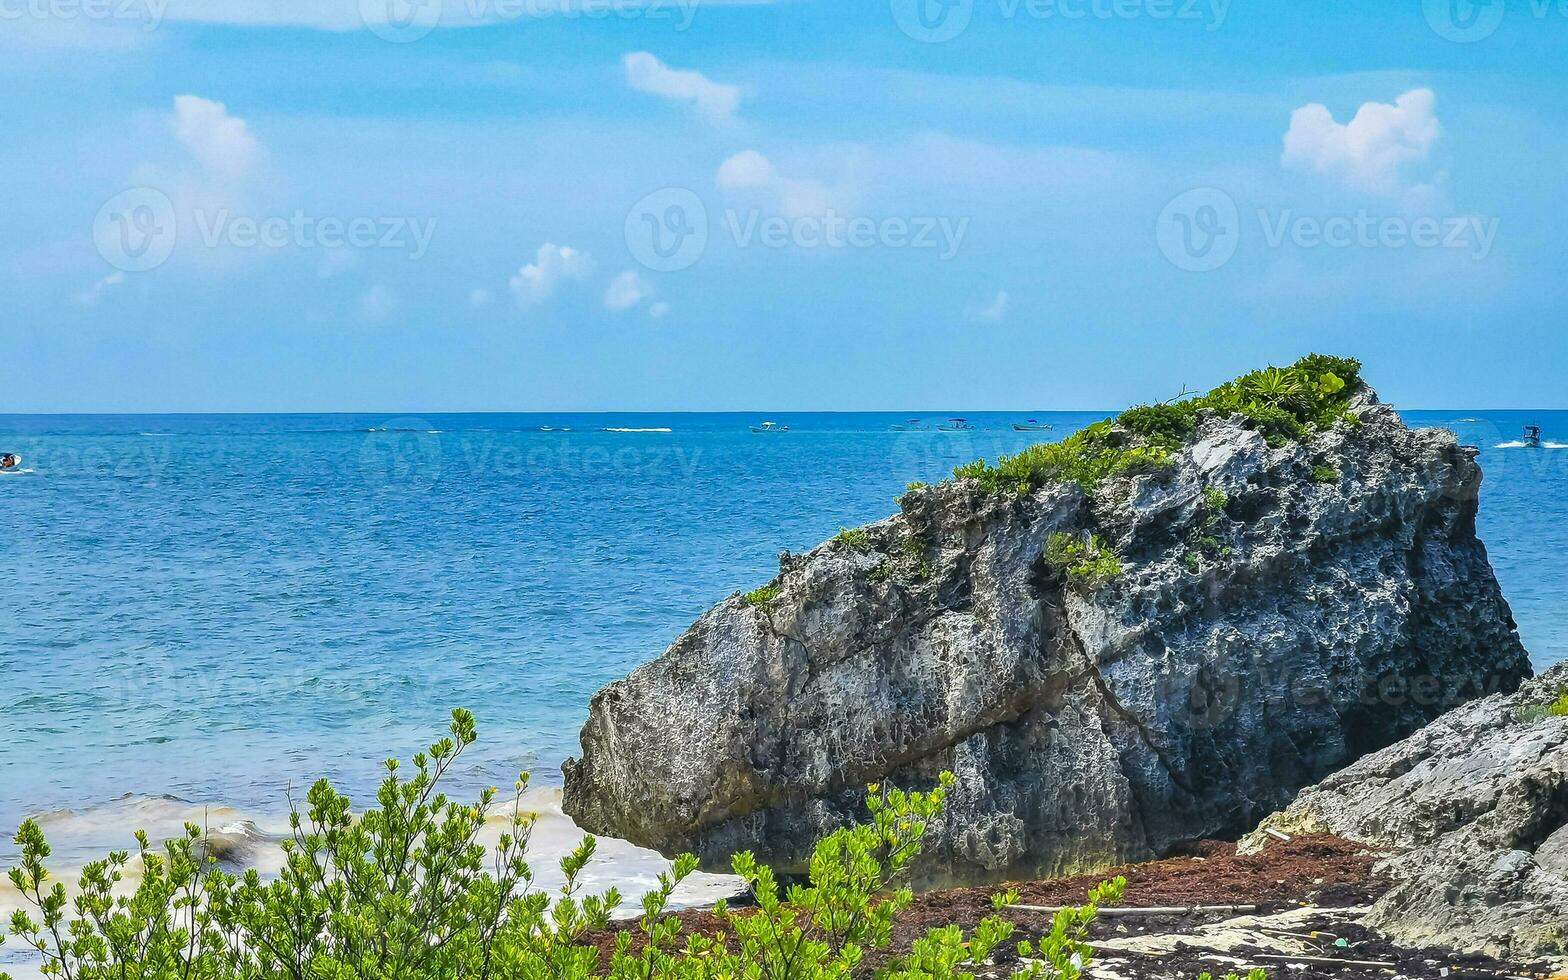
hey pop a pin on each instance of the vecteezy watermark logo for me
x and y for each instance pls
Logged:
(936, 21)
(149, 13)
(1464, 21)
(403, 456)
(404, 21)
(136, 230)
(831, 230)
(1464, 232)
(400, 21)
(1198, 231)
(667, 231)
(933, 21)
(306, 231)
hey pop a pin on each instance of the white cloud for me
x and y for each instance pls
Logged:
(91, 296)
(377, 305)
(553, 265)
(626, 291)
(646, 73)
(356, 15)
(221, 143)
(1371, 151)
(750, 170)
(993, 312)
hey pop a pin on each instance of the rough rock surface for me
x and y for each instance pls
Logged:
(1243, 653)
(1475, 806)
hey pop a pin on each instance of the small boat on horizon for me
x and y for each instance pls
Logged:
(956, 425)
(769, 427)
(913, 425)
(1532, 437)
(1033, 425)
(10, 461)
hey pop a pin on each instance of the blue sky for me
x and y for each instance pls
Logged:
(301, 205)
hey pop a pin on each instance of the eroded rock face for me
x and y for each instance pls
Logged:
(1244, 651)
(1475, 809)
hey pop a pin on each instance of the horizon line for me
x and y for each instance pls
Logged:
(912, 413)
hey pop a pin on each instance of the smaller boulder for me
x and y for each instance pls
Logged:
(1474, 808)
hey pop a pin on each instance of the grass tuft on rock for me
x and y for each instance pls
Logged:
(1084, 562)
(1283, 404)
(762, 596)
(1541, 712)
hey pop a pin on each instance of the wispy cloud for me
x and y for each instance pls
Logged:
(626, 291)
(750, 170)
(221, 143)
(354, 15)
(91, 296)
(994, 311)
(646, 73)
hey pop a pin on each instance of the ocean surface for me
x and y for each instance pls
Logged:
(203, 614)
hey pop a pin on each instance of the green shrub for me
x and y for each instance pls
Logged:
(916, 554)
(406, 890)
(1541, 712)
(855, 539)
(1325, 474)
(1162, 425)
(1085, 562)
(1085, 458)
(1283, 404)
(762, 596)
(1203, 541)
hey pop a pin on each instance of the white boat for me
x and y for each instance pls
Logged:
(1532, 437)
(913, 425)
(769, 427)
(1033, 425)
(10, 461)
(955, 425)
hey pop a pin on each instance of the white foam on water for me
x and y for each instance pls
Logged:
(638, 430)
(1521, 444)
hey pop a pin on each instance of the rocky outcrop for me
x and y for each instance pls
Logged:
(1474, 808)
(1269, 615)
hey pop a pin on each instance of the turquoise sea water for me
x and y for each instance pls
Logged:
(219, 608)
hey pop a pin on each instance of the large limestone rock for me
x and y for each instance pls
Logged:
(1338, 601)
(1475, 809)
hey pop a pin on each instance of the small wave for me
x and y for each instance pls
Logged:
(635, 430)
(26, 472)
(240, 840)
(1521, 444)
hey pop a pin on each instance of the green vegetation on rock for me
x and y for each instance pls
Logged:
(1084, 562)
(407, 889)
(1283, 404)
(1325, 474)
(855, 539)
(762, 596)
(1541, 712)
